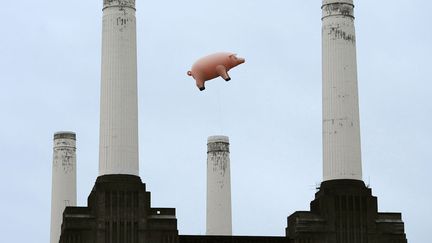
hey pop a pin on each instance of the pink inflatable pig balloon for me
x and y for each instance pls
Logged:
(213, 66)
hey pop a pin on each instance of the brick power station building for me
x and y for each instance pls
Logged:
(118, 211)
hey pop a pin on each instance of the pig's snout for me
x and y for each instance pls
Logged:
(241, 60)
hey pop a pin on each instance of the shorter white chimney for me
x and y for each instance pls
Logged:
(64, 191)
(219, 220)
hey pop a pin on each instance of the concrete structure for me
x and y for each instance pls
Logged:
(341, 126)
(219, 220)
(119, 211)
(64, 192)
(118, 145)
(344, 209)
(119, 208)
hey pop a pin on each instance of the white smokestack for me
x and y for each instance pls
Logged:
(64, 191)
(218, 186)
(341, 125)
(118, 145)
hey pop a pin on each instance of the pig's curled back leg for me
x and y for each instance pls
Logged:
(221, 71)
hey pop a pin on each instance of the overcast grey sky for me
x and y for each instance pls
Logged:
(271, 110)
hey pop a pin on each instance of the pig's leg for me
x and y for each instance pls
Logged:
(221, 71)
(200, 84)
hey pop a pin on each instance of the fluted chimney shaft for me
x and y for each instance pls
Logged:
(219, 221)
(64, 192)
(341, 125)
(118, 145)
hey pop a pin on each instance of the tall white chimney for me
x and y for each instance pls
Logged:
(64, 192)
(219, 221)
(341, 125)
(118, 144)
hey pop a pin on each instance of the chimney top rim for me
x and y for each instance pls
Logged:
(218, 138)
(325, 2)
(65, 134)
